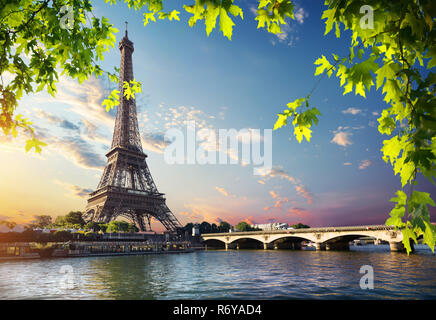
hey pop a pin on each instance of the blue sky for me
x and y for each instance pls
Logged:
(337, 179)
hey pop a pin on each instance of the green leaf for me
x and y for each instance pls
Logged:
(386, 123)
(429, 236)
(281, 121)
(328, 14)
(392, 148)
(34, 143)
(400, 199)
(385, 72)
(324, 65)
(212, 13)
(296, 103)
(423, 198)
(300, 131)
(226, 24)
(236, 11)
(408, 235)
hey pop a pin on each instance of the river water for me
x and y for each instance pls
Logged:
(242, 274)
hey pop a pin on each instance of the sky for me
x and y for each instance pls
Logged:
(337, 179)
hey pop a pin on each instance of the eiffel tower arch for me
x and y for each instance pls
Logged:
(126, 188)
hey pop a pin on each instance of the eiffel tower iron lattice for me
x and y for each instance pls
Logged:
(126, 187)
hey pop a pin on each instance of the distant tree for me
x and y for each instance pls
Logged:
(188, 227)
(75, 217)
(112, 227)
(205, 227)
(243, 226)
(8, 224)
(94, 226)
(132, 228)
(300, 226)
(118, 226)
(62, 236)
(224, 226)
(214, 228)
(41, 221)
(103, 227)
(60, 221)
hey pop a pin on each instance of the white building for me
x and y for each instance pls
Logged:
(271, 226)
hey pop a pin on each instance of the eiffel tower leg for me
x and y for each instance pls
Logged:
(148, 221)
(139, 222)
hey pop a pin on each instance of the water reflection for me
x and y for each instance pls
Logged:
(243, 274)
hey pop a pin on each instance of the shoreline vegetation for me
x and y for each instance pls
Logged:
(73, 227)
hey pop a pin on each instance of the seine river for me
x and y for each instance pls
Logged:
(243, 274)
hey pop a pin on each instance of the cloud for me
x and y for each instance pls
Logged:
(277, 172)
(287, 36)
(253, 10)
(299, 212)
(300, 14)
(352, 110)
(79, 151)
(222, 191)
(226, 193)
(250, 220)
(76, 191)
(90, 133)
(364, 164)
(279, 201)
(68, 125)
(63, 123)
(342, 138)
(301, 190)
(154, 142)
(347, 163)
(85, 100)
(273, 194)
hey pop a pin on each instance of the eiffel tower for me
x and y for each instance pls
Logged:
(126, 187)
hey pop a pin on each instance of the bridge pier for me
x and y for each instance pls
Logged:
(320, 246)
(399, 246)
(396, 246)
(265, 246)
(227, 246)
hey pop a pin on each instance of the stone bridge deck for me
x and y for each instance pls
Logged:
(324, 238)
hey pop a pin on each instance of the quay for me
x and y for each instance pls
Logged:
(29, 250)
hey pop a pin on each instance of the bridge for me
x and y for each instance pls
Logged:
(331, 238)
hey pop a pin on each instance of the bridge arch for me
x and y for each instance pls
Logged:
(215, 243)
(300, 236)
(247, 242)
(215, 238)
(352, 235)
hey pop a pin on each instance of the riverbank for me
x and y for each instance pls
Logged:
(29, 250)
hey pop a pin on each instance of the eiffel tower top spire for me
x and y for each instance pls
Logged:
(126, 131)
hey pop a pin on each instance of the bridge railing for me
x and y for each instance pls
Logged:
(305, 230)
